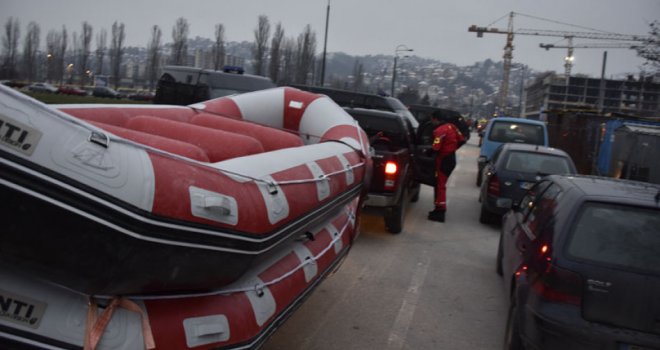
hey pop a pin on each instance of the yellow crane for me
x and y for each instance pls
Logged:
(508, 48)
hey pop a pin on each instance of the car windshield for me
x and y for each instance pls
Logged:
(536, 163)
(505, 131)
(619, 235)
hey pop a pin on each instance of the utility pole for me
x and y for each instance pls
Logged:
(325, 43)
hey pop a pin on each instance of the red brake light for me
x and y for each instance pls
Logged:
(559, 285)
(391, 168)
(494, 185)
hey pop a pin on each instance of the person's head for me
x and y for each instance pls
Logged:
(437, 118)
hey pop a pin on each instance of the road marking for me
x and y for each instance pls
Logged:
(402, 322)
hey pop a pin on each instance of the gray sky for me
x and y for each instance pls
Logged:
(434, 29)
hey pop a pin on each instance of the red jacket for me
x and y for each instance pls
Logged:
(445, 139)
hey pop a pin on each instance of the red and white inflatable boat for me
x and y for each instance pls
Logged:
(196, 227)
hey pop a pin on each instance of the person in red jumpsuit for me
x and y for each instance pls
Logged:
(446, 140)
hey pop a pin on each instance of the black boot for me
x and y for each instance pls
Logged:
(437, 215)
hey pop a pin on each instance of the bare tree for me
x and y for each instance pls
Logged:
(219, 47)
(30, 48)
(306, 47)
(53, 44)
(10, 48)
(85, 42)
(260, 47)
(60, 59)
(101, 46)
(154, 55)
(289, 58)
(117, 51)
(275, 53)
(180, 42)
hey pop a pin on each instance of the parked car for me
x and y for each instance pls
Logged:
(104, 91)
(394, 179)
(42, 87)
(423, 114)
(71, 90)
(353, 99)
(504, 129)
(580, 258)
(180, 85)
(142, 95)
(514, 169)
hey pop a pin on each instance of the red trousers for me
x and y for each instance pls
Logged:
(445, 167)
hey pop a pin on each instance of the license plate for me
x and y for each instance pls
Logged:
(21, 310)
(526, 185)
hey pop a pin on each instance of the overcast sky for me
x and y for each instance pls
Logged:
(433, 28)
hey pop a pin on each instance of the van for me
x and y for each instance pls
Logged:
(505, 129)
(179, 85)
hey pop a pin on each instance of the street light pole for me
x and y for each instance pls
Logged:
(399, 48)
(325, 43)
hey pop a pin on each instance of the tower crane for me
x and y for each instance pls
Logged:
(568, 64)
(508, 48)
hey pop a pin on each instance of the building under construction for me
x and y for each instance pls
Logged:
(635, 97)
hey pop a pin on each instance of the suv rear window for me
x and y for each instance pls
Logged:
(386, 127)
(504, 131)
(619, 235)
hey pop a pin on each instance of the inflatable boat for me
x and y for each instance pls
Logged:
(156, 200)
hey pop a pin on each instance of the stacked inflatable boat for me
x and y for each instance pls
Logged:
(143, 226)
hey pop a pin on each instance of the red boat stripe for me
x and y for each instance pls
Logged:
(295, 104)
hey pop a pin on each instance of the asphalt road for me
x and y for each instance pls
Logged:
(433, 286)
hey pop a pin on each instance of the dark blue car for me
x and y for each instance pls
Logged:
(580, 257)
(513, 169)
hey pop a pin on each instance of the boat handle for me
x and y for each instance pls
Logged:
(217, 204)
(100, 139)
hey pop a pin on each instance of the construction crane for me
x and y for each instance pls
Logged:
(568, 60)
(508, 48)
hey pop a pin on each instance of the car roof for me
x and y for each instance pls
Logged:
(516, 120)
(372, 112)
(611, 190)
(532, 148)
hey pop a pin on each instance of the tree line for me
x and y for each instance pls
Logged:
(70, 58)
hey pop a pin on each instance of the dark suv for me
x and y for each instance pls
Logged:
(353, 99)
(580, 257)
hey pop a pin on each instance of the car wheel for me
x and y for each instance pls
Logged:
(498, 262)
(394, 216)
(485, 217)
(512, 339)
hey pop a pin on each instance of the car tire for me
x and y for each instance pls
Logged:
(512, 340)
(498, 261)
(394, 216)
(485, 216)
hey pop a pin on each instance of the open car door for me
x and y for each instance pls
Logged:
(424, 154)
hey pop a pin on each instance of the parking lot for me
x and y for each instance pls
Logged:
(433, 286)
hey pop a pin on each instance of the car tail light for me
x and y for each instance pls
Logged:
(494, 185)
(391, 171)
(555, 283)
